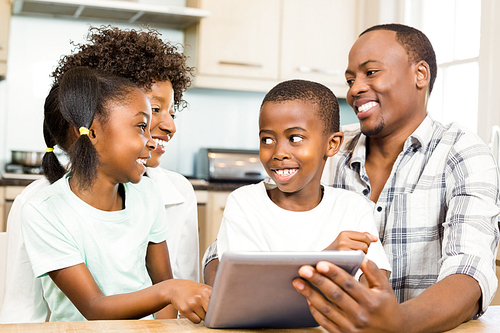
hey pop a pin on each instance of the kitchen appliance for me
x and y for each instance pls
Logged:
(238, 165)
(24, 162)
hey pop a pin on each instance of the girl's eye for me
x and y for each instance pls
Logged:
(267, 141)
(143, 126)
(173, 115)
(155, 109)
(296, 138)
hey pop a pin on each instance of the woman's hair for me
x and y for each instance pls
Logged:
(140, 56)
(82, 95)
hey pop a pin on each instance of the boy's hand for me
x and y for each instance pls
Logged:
(190, 299)
(352, 240)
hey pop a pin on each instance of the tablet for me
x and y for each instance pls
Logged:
(254, 289)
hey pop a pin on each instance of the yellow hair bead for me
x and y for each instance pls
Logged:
(49, 150)
(84, 131)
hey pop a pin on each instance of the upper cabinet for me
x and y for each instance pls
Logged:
(4, 35)
(254, 44)
(112, 11)
(316, 40)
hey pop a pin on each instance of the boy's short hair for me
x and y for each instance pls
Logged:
(415, 42)
(315, 93)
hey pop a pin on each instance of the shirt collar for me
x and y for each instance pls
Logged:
(419, 139)
(168, 192)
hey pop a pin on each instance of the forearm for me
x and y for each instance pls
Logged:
(134, 305)
(444, 305)
(168, 312)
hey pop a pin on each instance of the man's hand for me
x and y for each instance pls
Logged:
(352, 240)
(347, 305)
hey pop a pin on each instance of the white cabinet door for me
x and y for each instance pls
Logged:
(4, 34)
(239, 39)
(317, 36)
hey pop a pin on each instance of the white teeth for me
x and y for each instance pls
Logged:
(141, 161)
(161, 143)
(366, 106)
(285, 172)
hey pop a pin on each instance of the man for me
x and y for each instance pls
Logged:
(436, 195)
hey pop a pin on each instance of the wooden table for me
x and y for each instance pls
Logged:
(488, 323)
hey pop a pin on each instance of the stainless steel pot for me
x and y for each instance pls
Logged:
(27, 158)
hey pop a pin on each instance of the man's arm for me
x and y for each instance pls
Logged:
(351, 306)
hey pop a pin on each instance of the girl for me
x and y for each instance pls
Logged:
(159, 69)
(97, 241)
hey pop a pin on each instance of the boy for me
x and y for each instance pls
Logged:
(298, 123)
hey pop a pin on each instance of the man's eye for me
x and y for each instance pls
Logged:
(350, 82)
(296, 138)
(156, 110)
(173, 115)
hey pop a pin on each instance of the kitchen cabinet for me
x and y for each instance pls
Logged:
(210, 223)
(252, 44)
(4, 35)
(111, 10)
(316, 40)
(238, 46)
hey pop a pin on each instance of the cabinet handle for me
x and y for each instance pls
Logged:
(306, 69)
(244, 64)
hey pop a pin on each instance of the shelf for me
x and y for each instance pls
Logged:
(114, 11)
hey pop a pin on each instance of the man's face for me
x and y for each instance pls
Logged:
(382, 85)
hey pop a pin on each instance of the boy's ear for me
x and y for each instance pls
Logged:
(422, 74)
(334, 143)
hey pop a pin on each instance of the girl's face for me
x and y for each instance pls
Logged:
(161, 97)
(124, 141)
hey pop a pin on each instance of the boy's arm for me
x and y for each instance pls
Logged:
(158, 266)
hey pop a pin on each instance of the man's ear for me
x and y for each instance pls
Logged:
(422, 74)
(334, 143)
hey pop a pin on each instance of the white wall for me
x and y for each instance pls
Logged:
(215, 118)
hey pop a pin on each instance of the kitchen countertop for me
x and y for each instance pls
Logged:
(488, 323)
(198, 184)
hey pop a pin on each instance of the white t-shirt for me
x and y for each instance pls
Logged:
(252, 222)
(177, 195)
(60, 230)
(23, 299)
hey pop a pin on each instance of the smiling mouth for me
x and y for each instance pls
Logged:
(284, 175)
(142, 161)
(162, 143)
(366, 106)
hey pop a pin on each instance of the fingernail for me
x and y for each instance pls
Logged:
(322, 267)
(298, 285)
(306, 272)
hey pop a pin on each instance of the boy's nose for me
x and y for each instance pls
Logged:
(281, 153)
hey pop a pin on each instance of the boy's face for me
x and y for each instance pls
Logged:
(382, 85)
(293, 145)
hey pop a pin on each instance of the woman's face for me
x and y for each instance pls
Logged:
(161, 97)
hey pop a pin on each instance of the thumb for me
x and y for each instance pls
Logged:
(375, 277)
